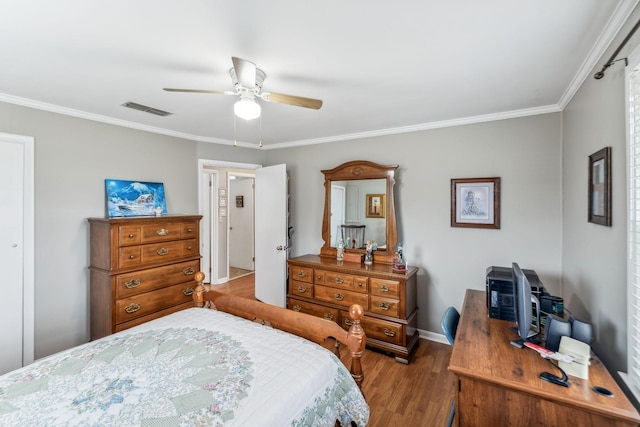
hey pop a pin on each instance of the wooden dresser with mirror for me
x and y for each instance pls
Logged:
(325, 287)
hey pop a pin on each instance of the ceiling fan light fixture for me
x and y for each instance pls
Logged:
(247, 108)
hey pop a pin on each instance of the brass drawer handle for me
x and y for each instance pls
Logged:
(162, 251)
(131, 236)
(189, 271)
(132, 308)
(389, 332)
(339, 280)
(383, 305)
(187, 292)
(133, 283)
(162, 232)
(328, 316)
(383, 288)
(348, 321)
(302, 289)
(296, 308)
(338, 297)
(131, 256)
(302, 274)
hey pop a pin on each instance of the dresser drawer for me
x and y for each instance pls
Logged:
(129, 235)
(189, 230)
(375, 328)
(130, 256)
(385, 288)
(340, 296)
(313, 309)
(301, 289)
(150, 302)
(138, 282)
(161, 232)
(319, 277)
(386, 306)
(338, 280)
(301, 274)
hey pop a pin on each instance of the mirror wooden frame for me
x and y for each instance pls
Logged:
(361, 169)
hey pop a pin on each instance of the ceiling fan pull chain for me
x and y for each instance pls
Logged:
(260, 145)
(235, 138)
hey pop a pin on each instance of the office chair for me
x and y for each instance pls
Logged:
(449, 325)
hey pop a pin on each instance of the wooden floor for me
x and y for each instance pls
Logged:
(414, 395)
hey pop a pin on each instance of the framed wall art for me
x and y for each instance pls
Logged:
(475, 202)
(375, 205)
(600, 187)
(239, 201)
(134, 198)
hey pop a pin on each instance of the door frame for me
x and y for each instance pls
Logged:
(28, 250)
(208, 208)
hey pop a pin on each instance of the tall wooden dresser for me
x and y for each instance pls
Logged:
(325, 287)
(141, 268)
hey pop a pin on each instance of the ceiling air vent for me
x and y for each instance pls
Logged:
(146, 109)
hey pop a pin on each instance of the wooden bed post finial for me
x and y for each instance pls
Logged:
(198, 297)
(356, 336)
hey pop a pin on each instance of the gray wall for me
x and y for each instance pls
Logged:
(594, 256)
(72, 159)
(525, 153)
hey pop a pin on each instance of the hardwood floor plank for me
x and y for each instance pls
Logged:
(414, 395)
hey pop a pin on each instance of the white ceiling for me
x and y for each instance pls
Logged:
(380, 66)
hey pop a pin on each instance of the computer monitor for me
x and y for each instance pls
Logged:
(527, 306)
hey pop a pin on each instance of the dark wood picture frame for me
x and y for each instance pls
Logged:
(475, 202)
(599, 209)
(239, 201)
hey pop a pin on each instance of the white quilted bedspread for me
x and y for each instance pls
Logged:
(196, 367)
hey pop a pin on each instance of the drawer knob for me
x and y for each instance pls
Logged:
(348, 322)
(189, 271)
(383, 288)
(162, 232)
(302, 289)
(338, 297)
(162, 251)
(302, 274)
(189, 230)
(339, 280)
(131, 236)
(389, 332)
(131, 256)
(133, 283)
(328, 316)
(187, 292)
(132, 308)
(296, 307)
(383, 305)
(360, 284)
(189, 248)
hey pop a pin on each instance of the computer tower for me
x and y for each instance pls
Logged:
(501, 300)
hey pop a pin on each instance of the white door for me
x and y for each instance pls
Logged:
(337, 214)
(15, 196)
(271, 221)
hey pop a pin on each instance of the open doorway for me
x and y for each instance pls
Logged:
(241, 224)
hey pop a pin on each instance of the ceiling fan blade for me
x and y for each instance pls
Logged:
(245, 72)
(298, 101)
(170, 89)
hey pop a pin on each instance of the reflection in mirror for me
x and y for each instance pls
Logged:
(349, 219)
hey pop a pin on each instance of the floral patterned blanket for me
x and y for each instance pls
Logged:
(197, 367)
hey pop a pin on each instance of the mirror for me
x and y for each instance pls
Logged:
(359, 206)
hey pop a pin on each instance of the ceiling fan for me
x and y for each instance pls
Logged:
(247, 80)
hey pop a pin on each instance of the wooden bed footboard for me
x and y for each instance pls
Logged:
(303, 325)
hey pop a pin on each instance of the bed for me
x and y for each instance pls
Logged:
(237, 364)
